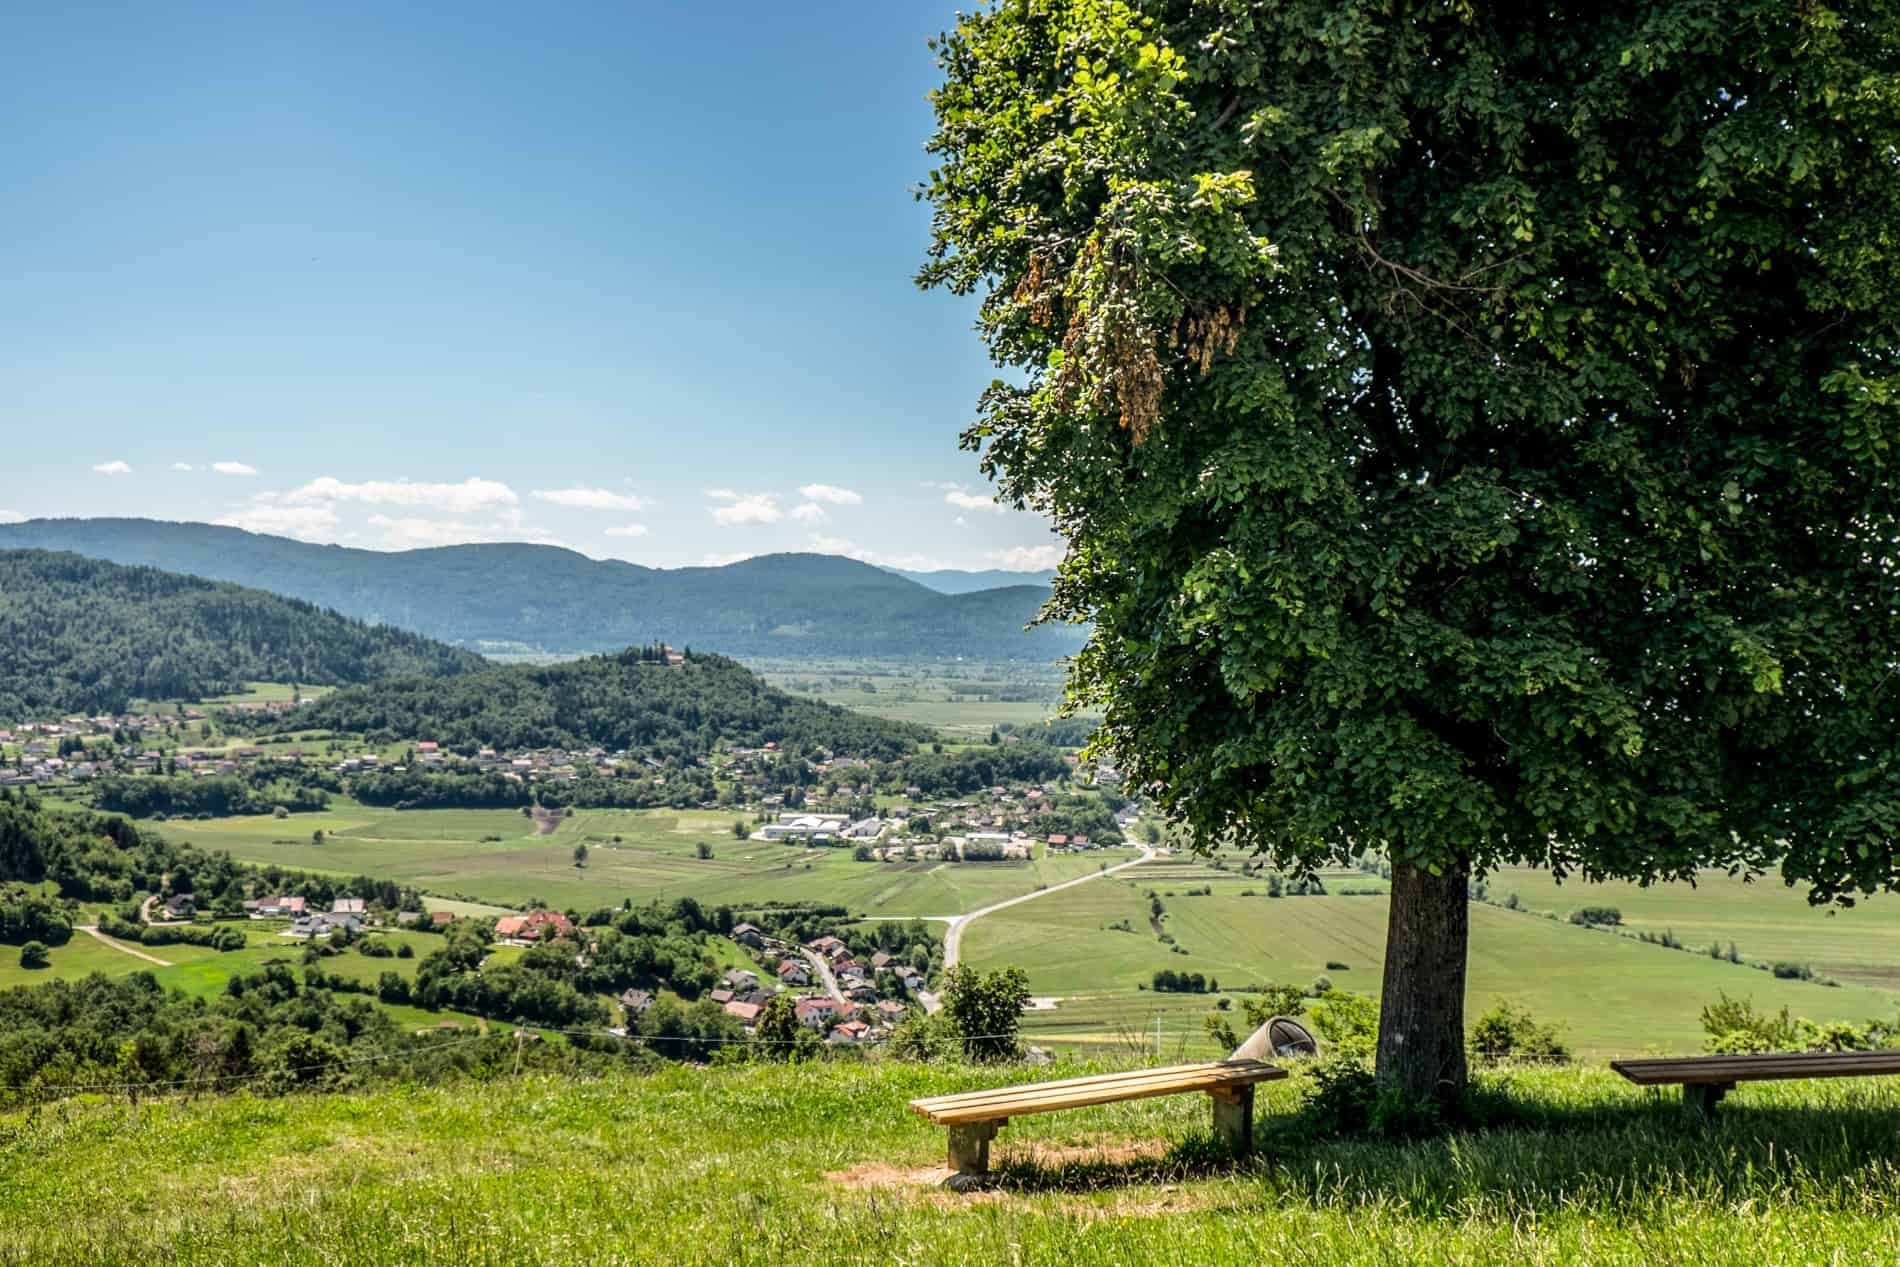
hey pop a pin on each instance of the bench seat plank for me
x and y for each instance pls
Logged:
(1073, 1093)
(1766, 1067)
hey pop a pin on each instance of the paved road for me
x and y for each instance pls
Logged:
(818, 964)
(953, 939)
(119, 945)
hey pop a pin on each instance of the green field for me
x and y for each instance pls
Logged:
(961, 700)
(821, 1165)
(1766, 919)
(443, 852)
(84, 955)
(1613, 995)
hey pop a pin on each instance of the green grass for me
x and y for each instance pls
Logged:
(1765, 919)
(1613, 995)
(80, 957)
(443, 852)
(822, 1165)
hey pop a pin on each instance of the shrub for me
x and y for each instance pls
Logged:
(1507, 1032)
(1333, 965)
(35, 955)
(1733, 1025)
(1793, 971)
(1319, 987)
(1347, 1023)
(985, 1010)
(1597, 916)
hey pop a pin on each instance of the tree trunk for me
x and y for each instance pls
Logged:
(1422, 1011)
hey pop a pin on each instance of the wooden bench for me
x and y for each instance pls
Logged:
(974, 1117)
(1706, 1079)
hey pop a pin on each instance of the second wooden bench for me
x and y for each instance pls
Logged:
(1706, 1079)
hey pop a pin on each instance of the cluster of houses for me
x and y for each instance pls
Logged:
(537, 765)
(37, 758)
(860, 1016)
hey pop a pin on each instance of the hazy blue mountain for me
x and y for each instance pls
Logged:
(951, 581)
(803, 605)
(82, 635)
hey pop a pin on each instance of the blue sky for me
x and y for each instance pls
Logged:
(633, 278)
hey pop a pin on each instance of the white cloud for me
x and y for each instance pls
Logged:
(878, 558)
(471, 494)
(589, 498)
(972, 501)
(829, 493)
(233, 468)
(1027, 558)
(11, 517)
(628, 530)
(306, 523)
(181, 466)
(723, 495)
(114, 467)
(808, 513)
(755, 508)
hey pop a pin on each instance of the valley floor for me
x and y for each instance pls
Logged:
(822, 1164)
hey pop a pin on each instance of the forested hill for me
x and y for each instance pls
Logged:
(81, 636)
(617, 702)
(546, 598)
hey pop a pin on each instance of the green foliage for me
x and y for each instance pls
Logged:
(970, 769)
(260, 788)
(984, 1010)
(616, 701)
(26, 915)
(778, 1033)
(1597, 916)
(1472, 434)
(1347, 1024)
(1733, 1025)
(1508, 1032)
(87, 636)
(34, 954)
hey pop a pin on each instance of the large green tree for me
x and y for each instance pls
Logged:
(1473, 426)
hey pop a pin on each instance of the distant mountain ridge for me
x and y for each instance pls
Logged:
(84, 635)
(954, 581)
(790, 605)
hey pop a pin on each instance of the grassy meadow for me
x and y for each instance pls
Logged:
(1093, 947)
(1613, 995)
(961, 701)
(499, 857)
(822, 1165)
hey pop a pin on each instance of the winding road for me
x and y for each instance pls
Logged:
(953, 938)
(119, 945)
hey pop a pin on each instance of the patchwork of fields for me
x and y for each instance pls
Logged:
(1613, 994)
(1094, 947)
(497, 856)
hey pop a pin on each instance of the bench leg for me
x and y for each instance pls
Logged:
(1233, 1118)
(970, 1147)
(1700, 1098)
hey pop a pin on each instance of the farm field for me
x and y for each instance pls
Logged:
(654, 859)
(962, 701)
(1613, 994)
(85, 955)
(1765, 919)
(1583, 1169)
